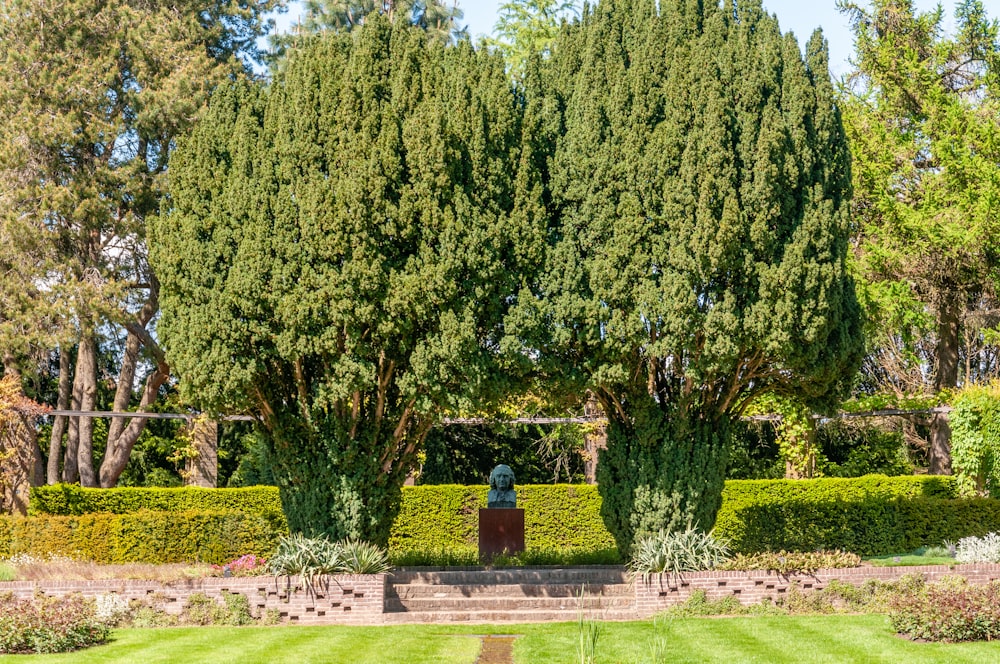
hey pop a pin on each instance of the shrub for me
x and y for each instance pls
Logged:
(311, 557)
(74, 500)
(673, 552)
(49, 624)
(951, 611)
(203, 610)
(146, 536)
(246, 565)
(975, 439)
(978, 549)
(792, 562)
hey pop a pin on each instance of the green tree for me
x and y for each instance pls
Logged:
(340, 251)
(921, 113)
(528, 27)
(94, 94)
(435, 16)
(699, 180)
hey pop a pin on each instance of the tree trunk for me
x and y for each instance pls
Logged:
(949, 307)
(59, 423)
(595, 439)
(71, 472)
(122, 434)
(945, 377)
(940, 448)
(86, 371)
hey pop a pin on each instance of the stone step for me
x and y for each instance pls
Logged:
(561, 590)
(535, 575)
(515, 616)
(486, 603)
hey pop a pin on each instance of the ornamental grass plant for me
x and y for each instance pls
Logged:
(689, 550)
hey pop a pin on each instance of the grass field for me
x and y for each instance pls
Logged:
(792, 639)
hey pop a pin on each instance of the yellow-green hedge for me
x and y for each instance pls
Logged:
(144, 536)
(867, 515)
(72, 499)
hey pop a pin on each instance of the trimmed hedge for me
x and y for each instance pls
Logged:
(871, 515)
(144, 536)
(73, 500)
(561, 516)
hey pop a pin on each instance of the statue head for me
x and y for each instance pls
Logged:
(502, 478)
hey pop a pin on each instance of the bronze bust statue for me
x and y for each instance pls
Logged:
(501, 488)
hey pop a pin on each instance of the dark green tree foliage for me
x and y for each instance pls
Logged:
(699, 188)
(340, 253)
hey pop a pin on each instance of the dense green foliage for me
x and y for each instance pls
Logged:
(144, 536)
(557, 516)
(338, 258)
(975, 440)
(698, 179)
(920, 111)
(49, 624)
(71, 500)
(94, 95)
(866, 515)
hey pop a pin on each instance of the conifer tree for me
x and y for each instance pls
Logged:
(339, 255)
(699, 181)
(94, 94)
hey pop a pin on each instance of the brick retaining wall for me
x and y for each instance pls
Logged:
(346, 599)
(659, 592)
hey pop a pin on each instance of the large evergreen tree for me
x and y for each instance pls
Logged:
(699, 181)
(340, 251)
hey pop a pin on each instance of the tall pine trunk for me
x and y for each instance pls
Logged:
(86, 374)
(60, 421)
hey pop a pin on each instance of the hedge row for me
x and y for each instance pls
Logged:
(74, 500)
(447, 516)
(869, 515)
(144, 536)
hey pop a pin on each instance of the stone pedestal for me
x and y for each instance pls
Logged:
(501, 530)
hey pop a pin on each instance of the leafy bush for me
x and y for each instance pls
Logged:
(203, 610)
(948, 611)
(673, 552)
(792, 562)
(49, 624)
(975, 439)
(247, 565)
(145, 536)
(984, 549)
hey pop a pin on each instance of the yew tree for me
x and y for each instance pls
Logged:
(699, 181)
(339, 253)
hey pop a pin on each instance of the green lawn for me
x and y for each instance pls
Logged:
(862, 639)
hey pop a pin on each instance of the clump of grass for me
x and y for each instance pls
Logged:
(924, 555)
(7, 573)
(674, 552)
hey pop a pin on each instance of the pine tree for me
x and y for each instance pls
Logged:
(339, 256)
(94, 94)
(699, 180)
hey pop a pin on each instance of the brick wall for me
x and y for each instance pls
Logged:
(662, 591)
(346, 599)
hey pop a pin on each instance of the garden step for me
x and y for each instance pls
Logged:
(513, 616)
(577, 575)
(487, 603)
(560, 590)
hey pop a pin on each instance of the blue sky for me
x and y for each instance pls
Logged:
(798, 16)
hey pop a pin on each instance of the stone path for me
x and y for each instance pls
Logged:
(497, 649)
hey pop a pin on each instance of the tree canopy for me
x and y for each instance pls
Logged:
(94, 94)
(339, 254)
(698, 179)
(921, 111)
